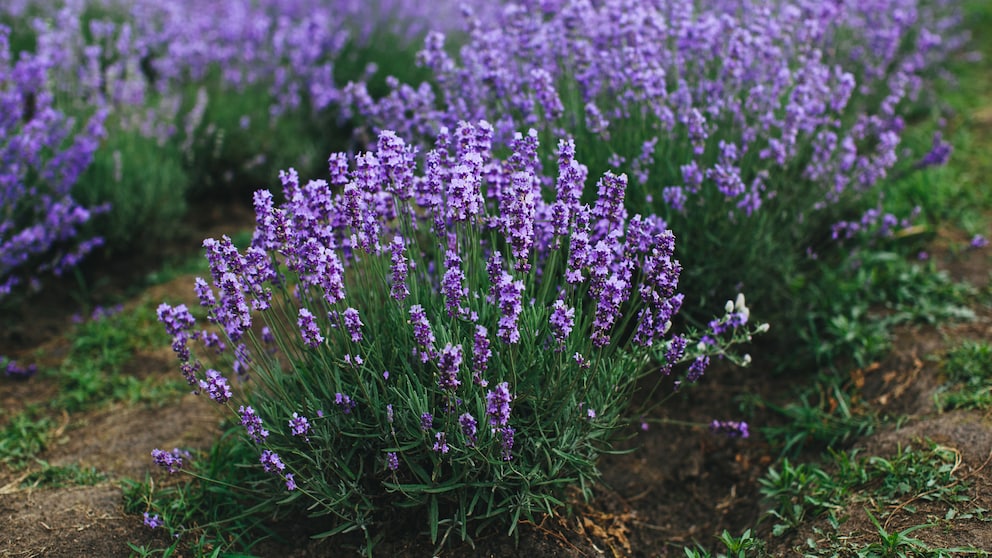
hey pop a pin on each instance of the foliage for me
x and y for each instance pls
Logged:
(797, 492)
(26, 434)
(968, 368)
(50, 476)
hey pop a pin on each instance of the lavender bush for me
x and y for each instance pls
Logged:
(445, 341)
(750, 126)
(42, 154)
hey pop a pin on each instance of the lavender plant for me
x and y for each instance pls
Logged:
(749, 126)
(42, 154)
(442, 340)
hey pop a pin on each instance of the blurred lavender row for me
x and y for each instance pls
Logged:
(728, 94)
(69, 69)
(41, 156)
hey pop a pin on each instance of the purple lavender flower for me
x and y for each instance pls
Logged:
(938, 155)
(253, 424)
(481, 353)
(290, 482)
(509, 296)
(581, 361)
(426, 421)
(978, 241)
(299, 425)
(676, 348)
(518, 207)
(441, 443)
(353, 324)
(345, 403)
(571, 179)
(730, 428)
(270, 462)
(267, 337)
(579, 253)
(469, 428)
(498, 404)
(452, 283)
(463, 195)
(171, 461)
(210, 339)
(18, 372)
(448, 364)
(204, 293)
(697, 368)
(189, 371)
(309, 330)
(399, 268)
(562, 319)
(216, 386)
(609, 205)
(152, 521)
(178, 322)
(422, 333)
(614, 292)
(392, 461)
(506, 434)
(337, 165)
(398, 164)
(389, 413)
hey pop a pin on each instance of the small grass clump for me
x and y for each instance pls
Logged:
(26, 435)
(798, 492)
(968, 369)
(54, 476)
(93, 374)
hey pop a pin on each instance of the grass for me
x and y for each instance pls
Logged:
(883, 486)
(744, 546)
(823, 415)
(968, 369)
(26, 435)
(93, 375)
(51, 476)
(859, 301)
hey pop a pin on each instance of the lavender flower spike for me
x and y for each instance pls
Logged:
(498, 405)
(216, 386)
(448, 364)
(309, 330)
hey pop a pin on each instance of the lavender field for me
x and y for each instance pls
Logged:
(559, 278)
